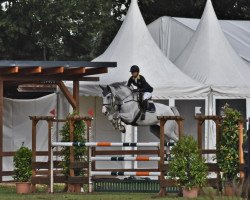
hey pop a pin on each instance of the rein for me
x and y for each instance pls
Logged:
(124, 102)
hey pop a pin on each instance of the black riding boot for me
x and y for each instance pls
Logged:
(144, 108)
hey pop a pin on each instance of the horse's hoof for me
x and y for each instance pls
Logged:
(122, 129)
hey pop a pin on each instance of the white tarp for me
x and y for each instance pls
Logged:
(172, 35)
(17, 129)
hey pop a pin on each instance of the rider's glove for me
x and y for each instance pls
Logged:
(135, 90)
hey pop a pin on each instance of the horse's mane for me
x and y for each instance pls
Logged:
(118, 84)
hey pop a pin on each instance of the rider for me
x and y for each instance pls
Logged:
(142, 86)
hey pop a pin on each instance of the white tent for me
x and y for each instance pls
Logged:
(133, 44)
(210, 59)
(172, 35)
(208, 56)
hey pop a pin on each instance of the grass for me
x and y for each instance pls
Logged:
(7, 192)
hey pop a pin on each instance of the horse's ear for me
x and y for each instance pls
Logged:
(102, 87)
(111, 89)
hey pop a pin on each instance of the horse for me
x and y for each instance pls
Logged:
(122, 103)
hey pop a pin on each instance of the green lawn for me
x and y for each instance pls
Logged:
(7, 192)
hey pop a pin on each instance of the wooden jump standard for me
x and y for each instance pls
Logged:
(213, 167)
(41, 171)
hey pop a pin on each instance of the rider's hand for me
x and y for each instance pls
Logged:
(135, 90)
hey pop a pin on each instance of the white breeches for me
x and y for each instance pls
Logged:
(147, 95)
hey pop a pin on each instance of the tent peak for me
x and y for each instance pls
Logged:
(133, 44)
(209, 56)
(134, 1)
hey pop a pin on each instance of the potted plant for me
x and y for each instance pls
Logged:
(228, 148)
(79, 152)
(187, 167)
(22, 169)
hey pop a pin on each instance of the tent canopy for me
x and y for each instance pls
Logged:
(134, 44)
(210, 59)
(173, 34)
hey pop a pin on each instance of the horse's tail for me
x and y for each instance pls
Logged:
(176, 113)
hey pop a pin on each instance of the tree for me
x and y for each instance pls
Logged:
(53, 29)
(83, 29)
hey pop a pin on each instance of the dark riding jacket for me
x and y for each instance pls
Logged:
(141, 83)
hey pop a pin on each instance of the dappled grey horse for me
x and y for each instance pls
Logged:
(121, 103)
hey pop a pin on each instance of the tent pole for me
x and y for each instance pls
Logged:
(1, 130)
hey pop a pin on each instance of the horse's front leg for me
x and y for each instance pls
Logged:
(115, 119)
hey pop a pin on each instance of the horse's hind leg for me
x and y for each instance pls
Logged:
(155, 129)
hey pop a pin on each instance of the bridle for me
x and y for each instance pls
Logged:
(117, 105)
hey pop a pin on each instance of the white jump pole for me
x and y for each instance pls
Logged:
(114, 173)
(139, 158)
(90, 162)
(51, 165)
(108, 144)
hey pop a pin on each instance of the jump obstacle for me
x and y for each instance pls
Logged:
(160, 171)
(98, 155)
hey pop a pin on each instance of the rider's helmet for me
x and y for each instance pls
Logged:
(134, 68)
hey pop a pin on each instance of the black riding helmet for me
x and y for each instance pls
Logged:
(134, 68)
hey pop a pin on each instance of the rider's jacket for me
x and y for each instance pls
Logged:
(141, 83)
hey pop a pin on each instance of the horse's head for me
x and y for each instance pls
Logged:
(112, 94)
(107, 99)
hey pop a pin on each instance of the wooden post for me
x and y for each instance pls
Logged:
(1, 130)
(180, 128)
(161, 166)
(200, 123)
(50, 124)
(241, 154)
(218, 126)
(34, 123)
(76, 94)
(71, 158)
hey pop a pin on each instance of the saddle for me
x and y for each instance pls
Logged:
(151, 107)
(150, 104)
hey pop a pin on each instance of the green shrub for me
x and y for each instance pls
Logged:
(23, 165)
(228, 146)
(79, 152)
(187, 167)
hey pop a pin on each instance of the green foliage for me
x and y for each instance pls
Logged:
(22, 165)
(79, 152)
(82, 30)
(228, 146)
(187, 167)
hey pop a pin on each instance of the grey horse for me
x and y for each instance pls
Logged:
(121, 103)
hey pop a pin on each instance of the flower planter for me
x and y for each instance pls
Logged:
(229, 190)
(190, 194)
(77, 188)
(74, 187)
(23, 187)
